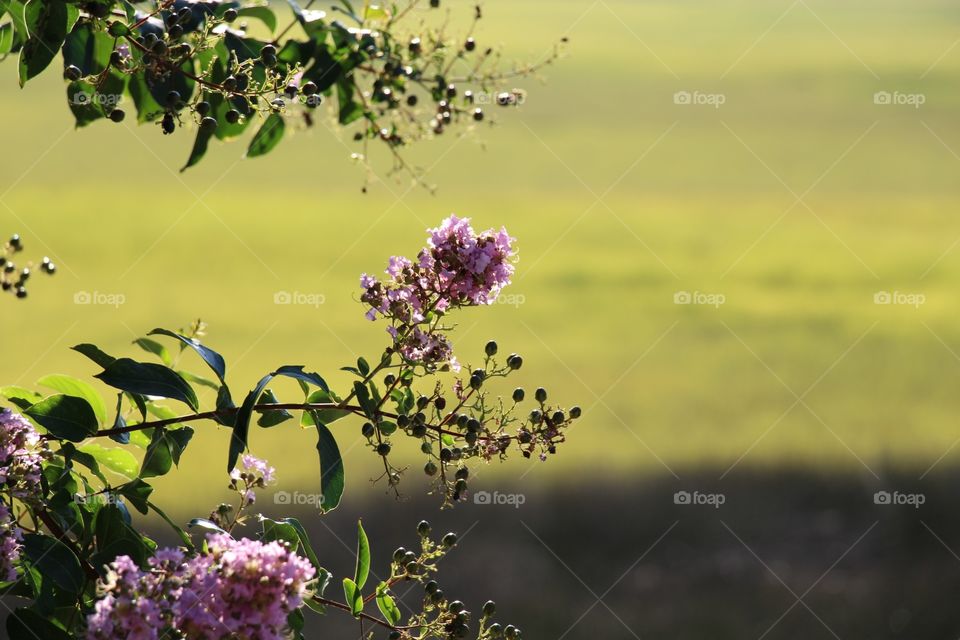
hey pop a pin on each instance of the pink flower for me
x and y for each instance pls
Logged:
(458, 268)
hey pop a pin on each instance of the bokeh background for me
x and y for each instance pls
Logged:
(738, 237)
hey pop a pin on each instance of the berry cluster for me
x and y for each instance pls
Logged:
(13, 278)
(397, 77)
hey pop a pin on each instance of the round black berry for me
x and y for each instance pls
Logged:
(518, 394)
(208, 125)
(515, 361)
(117, 115)
(232, 116)
(72, 73)
(230, 15)
(470, 44)
(383, 449)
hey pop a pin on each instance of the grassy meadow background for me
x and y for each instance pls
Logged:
(798, 199)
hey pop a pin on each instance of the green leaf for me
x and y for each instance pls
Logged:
(6, 38)
(71, 386)
(350, 109)
(326, 416)
(20, 396)
(279, 531)
(47, 22)
(119, 461)
(148, 379)
(331, 468)
(66, 417)
(387, 606)
(363, 557)
(213, 359)
(267, 137)
(154, 347)
(262, 13)
(54, 560)
(25, 624)
(305, 544)
(354, 598)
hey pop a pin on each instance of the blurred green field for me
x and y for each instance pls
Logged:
(619, 198)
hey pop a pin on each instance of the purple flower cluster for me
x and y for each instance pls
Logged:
(238, 589)
(19, 458)
(253, 473)
(9, 545)
(458, 268)
(19, 478)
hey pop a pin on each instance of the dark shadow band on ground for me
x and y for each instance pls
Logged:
(762, 554)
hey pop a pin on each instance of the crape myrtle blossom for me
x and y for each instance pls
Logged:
(237, 589)
(19, 478)
(253, 473)
(458, 268)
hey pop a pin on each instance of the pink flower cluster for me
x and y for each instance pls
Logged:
(20, 478)
(253, 473)
(238, 589)
(458, 268)
(19, 459)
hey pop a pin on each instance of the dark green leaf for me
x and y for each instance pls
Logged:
(94, 353)
(148, 379)
(138, 493)
(267, 137)
(66, 417)
(241, 426)
(48, 22)
(331, 468)
(272, 418)
(213, 359)
(200, 144)
(24, 624)
(55, 561)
